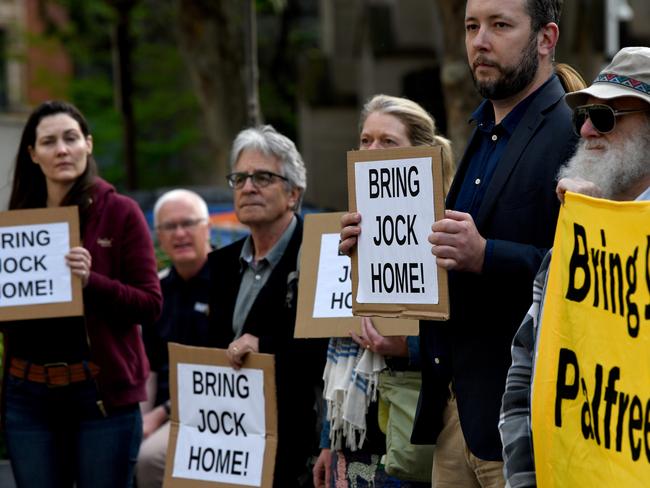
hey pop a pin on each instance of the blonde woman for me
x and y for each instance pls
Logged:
(385, 122)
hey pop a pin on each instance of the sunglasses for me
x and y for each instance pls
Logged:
(260, 179)
(602, 117)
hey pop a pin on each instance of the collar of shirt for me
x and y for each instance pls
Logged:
(484, 113)
(203, 274)
(644, 196)
(247, 254)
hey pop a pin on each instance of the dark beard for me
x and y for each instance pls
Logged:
(514, 78)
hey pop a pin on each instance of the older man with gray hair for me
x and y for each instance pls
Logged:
(612, 117)
(254, 287)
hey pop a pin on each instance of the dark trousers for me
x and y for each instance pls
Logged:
(58, 436)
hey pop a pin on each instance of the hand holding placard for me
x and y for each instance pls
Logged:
(79, 260)
(325, 287)
(457, 243)
(224, 421)
(350, 230)
(399, 193)
(35, 281)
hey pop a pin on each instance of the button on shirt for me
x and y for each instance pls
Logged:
(255, 275)
(489, 145)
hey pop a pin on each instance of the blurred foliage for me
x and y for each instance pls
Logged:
(171, 144)
(287, 29)
(167, 114)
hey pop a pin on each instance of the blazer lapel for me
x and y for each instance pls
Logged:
(277, 280)
(228, 281)
(519, 140)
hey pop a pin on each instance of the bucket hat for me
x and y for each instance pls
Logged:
(628, 75)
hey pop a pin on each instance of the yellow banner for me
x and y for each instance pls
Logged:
(591, 389)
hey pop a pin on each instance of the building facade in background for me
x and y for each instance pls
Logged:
(31, 70)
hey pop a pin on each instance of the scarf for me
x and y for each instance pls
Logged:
(351, 375)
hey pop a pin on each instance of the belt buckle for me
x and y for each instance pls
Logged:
(46, 368)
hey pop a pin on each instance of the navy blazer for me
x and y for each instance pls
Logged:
(299, 363)
(518, 213)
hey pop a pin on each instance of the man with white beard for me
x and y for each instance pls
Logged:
(611, 161)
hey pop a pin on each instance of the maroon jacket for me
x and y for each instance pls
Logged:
(123, 291)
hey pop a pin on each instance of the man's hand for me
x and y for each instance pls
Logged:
(237, 350)
(457, 243)
(577, 185)
(350, 231)
(321, 470)
(371, 339)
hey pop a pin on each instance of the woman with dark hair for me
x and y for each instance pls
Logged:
(72, 385)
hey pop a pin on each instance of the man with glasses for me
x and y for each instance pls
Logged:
(254, 289)
(182, 226)
(613, 118)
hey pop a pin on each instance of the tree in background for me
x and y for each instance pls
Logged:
(167, 124)
(194, 76)
(212, 42)
(190, 84)
(218, 41)
(461, 98)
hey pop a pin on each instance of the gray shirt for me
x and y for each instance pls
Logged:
(255, 274)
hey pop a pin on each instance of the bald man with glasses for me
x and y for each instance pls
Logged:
(182, 227)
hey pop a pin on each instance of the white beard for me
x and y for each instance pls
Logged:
(616, 168)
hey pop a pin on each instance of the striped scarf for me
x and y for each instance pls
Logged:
(351, 375)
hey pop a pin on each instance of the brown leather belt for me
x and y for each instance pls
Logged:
(53, 374)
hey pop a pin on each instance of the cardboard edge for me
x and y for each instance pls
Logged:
(217, 357)
(439, 311)
(308, 327)
(73, 308)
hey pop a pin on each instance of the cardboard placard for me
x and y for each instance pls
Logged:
(223, 428)
(399, 193)
(35, 281)
(325, 286)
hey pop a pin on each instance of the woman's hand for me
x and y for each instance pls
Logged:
(321, 469)
(371, 339)
(350, 230)
(79, 260)
(151, 421)
(238, 349)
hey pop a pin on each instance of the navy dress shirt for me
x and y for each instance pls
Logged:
(490, 144)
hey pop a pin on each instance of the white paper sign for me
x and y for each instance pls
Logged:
(333, 285)
(222, 433)
(395, 199)
(32, 264)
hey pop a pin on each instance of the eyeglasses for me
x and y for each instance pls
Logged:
(187, 224)
(260, 179)
(603, 117)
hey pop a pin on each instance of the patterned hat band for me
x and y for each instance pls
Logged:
(623, 81)
(628, 75)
